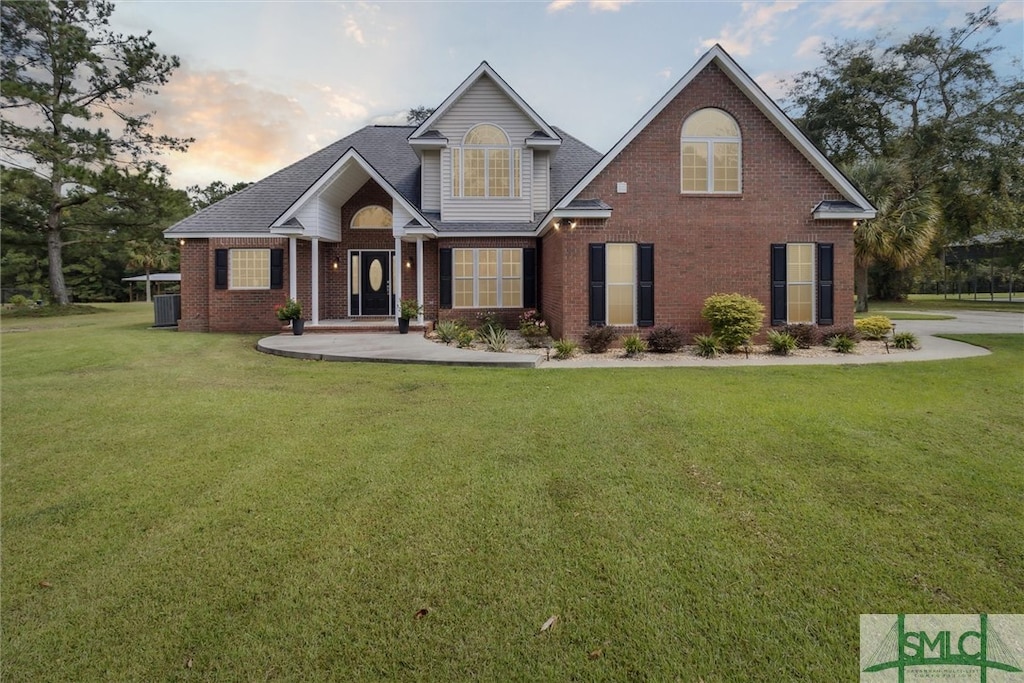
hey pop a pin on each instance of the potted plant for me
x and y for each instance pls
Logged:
(407, 310)
(291, 312)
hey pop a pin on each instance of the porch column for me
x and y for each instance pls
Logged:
(397, 275)
(293, 289)
(419, 277)
(315, 279)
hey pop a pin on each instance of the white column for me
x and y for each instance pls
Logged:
(419, 277)
(292, 268)
(315, 279)
(396, 285)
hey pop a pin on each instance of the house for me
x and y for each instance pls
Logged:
(486, 207)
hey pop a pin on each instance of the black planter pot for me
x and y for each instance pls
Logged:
(403, 326)
(298, 326)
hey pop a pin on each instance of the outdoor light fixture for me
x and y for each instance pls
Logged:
(181, 242)
(856, 223)
(565, 223)
(409, 262)
(334, 265)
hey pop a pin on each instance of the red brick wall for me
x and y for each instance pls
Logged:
(196, 283)
(509, 316)
(246, 310)
(703, 244)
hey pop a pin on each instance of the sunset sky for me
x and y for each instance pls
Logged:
(262, 84)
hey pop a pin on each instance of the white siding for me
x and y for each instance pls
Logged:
(320, 218)
(399, 216)
(329, 227)
(541, 186)
(430, 181)
(484, 102)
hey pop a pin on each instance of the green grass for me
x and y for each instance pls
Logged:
(936, 302)
(173, 499)
(902, 315)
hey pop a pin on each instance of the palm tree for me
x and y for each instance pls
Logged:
(148, 256)
(902, 231)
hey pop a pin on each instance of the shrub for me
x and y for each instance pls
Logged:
(449, 330)
(664, 340)
(734, 318)
(634, 345)
(488, 320)
(565, 348)
(848, 331)
(841, 343)
(533, 328)
(873, 327)
(465, 338)
(805, 335)
(18, 301)
(905, 340)
(598, 339)
(707, 345)
(495, 338)
(781, 343)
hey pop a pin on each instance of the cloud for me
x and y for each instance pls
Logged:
(1010, 11)
(865, 15)
(594, 5)
(758, 22)
(353, 31)
(666, 73)
(809, 47)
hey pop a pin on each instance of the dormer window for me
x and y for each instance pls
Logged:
(486, 165)
(710, 153)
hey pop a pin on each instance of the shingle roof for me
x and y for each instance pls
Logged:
(256, 207)
(386, 148)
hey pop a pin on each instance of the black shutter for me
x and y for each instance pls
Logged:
(445, 266)
(529, 278)
(826, 285)
(645, 314)
(597, 277)
(220, 269)
(277, 268)
(779, 284)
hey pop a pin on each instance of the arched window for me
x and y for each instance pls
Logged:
(485, 165)
(372, 217)
(710, 153)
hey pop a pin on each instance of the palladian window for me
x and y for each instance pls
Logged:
(486, 165)
(372, 217)
(710, 153)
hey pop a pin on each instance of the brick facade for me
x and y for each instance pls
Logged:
(704, 244)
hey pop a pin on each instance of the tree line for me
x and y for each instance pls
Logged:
(930, 131)
(926, 126)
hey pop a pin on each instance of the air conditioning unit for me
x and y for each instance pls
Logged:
(166, 310)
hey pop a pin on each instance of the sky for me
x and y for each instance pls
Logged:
(263, 84)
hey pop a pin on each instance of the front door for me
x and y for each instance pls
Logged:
(375, 283)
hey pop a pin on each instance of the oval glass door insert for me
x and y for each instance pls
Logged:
(376, 275)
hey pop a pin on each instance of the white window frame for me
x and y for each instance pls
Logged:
(515, 167)
(634, 284)
(231, 269)
(709, 143)
(476, 277)
(812, 283)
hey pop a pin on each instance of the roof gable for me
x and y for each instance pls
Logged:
(718, 56)
(425, 131)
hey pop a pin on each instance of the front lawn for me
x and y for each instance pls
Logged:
(178, 506)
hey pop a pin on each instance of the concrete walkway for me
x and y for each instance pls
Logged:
(414, 348)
